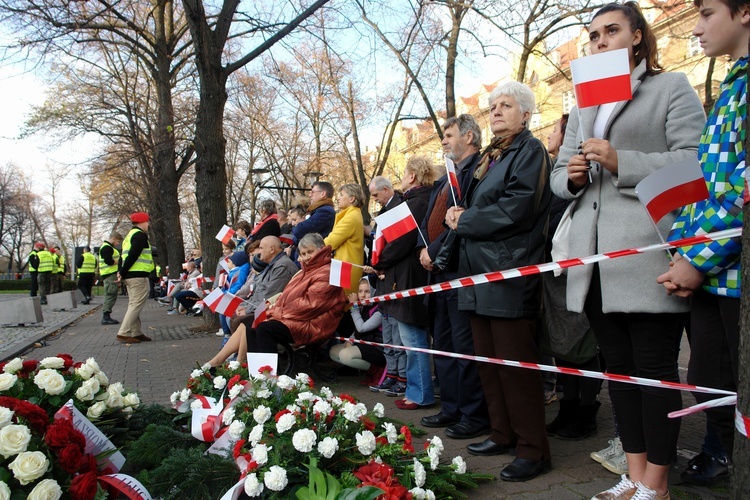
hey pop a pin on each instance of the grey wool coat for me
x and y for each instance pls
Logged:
(660, 126)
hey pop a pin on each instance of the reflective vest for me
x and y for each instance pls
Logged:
(46, 261)
(145, 261)
(105, 269)
(89, 264)
(32, 269)
(60, 263)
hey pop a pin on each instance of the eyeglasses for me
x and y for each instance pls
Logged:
(316, 191)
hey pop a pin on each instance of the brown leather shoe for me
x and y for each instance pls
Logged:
(129, 340)
(143, 338)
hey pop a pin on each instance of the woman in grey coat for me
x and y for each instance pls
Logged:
(636, 324)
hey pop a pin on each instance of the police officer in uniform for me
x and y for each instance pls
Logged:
(86, 265)
(109, 261)
(34, 266)
(137, 265)
(44, 273)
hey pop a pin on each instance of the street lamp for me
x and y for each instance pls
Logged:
(312, 177)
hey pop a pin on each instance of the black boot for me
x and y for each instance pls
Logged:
(567, 414)
(583, 426)
(107, 320)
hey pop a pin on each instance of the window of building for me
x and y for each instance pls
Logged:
(536, 120)
(694, 46)
(568, 101)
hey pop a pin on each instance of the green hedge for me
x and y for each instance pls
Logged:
(25, 285)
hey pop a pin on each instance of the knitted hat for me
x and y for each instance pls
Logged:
(259, 265)
(38, 245)
(239, 258)
(139, 217)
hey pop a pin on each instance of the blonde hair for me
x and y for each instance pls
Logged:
(355, 191)
(423, 169)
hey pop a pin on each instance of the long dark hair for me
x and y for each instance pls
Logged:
(647, 48)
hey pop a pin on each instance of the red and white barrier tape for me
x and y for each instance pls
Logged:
(742, 423)
(479, 279)
(725, 401)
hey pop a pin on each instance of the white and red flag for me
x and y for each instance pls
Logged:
(378, 243)
(222, 303)
(260, 314)
(672, 187)
(341, 273)
(225, 234)
(450, 168)
(170, 287)
(601, 78)
(396, 222)
(224, 263)
(287, 239)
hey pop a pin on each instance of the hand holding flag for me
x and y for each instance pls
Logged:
(222, 303)
(341, 273)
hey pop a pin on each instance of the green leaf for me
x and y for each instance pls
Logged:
(364, 493)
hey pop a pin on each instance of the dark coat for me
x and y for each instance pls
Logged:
(320, 221)
(267, 227)
(504, 227)
(399, 261)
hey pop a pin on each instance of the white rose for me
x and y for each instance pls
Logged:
(365, 442)
(304, 440)
(256, 434)
(419, 473)
(53, 362)
(220, 382)
(253, 487)
(102, 378)
(196, 373)
(84, 393)
(14, 439)
(328, 447)
(285, 382)
(234, 365)
(184, 395)
(132, 399)
(91, 362)
(6, 416)
(50, 381)
(459, 465)
(96, 410)
(47, 489)
(261, 414)
(236, 429)
(235, 391)
(275, 479)
(4, 491)
(259, 453)
(115, 400)
(13, 365)
(7, 380)
(285, 423)
(116, 388)
(85, 372)
(228, 416)
(379, 410)
(29, 466)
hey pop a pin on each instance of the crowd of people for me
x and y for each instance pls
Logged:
(515, 202)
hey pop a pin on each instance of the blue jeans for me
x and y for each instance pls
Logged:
(224, 322)
(395, 359)
(418, 375)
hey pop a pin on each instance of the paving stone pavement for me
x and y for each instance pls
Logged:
(158, 368)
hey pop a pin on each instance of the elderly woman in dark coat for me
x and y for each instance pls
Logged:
(501, 226)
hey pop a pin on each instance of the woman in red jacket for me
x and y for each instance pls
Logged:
(306, 312)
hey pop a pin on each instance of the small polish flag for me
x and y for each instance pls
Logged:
(450, 167)
(170, 287)
(341, 273)
(287, 239)
(378, 243)
(601, 78)
(222, 280)
(225, 234)
(224, 263)
(222, 303)
(672, 187)
(260, 314)
(396, 222)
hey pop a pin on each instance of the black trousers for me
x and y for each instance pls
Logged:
(34, 284)
(460, 387)
(265, 337)
(643, 345)
(86, 283)
(714, 349)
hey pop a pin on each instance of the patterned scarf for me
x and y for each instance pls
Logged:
(492, 152)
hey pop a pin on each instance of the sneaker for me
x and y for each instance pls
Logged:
(550, 397)
(387, 384)
(645, 493)
(617, 464)
(623, 490)
(164, 300)
(173, 312)
(614, 448)
(220, 333)
(398, 389)
(703, 469)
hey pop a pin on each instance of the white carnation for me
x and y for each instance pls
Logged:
(379, 410)
(419, 473)
(261, 414)
(14, 439)
(459, 465)
(6, 416)
(434, 455)
(285, 382)
(46, 489)
(234, 365)
(326, 393)
(429, 495)
(285, 423)
(96, 410)
(328, 446)
(417, 493)
(174, 397)
(305, 396)
(323, 407)
(13, 365)
(365, 442)
(354, 412)
(264, 394)
(391, 433)
(275, 479)
(235, 391)
(185, 394)
(236, 429)
(220, 382)
(253, 487)
(303, 379)
(53, 362)
(196, 405)
(304, 440)
(228, 416)
(437, 443)
(29, 466)
(196, 373)
(293, 408)
(259, 452)
(7, 380)
(256, 434)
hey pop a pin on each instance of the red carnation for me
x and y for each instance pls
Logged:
(70, 458)
(407, 434)
(237, 450)
(280, 414)
(381, 441)
(310, 383)
(347, 397)
(233, 381)
(368, 424)
(374, 472)
(83, 486)
(265, 369)
(34, 415)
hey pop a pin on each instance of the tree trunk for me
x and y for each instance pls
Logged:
(740, 483)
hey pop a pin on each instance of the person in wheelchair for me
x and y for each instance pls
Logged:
(306, 312)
